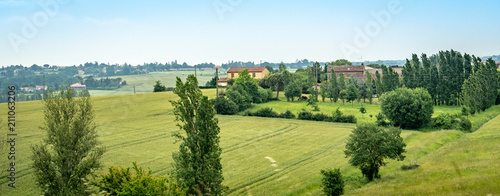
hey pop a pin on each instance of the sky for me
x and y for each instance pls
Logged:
(72, 32)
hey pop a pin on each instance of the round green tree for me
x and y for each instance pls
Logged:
(369, 145)
(407, 108)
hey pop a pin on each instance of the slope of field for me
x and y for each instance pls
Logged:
(261, 156)
(144, 82)
(468, 166)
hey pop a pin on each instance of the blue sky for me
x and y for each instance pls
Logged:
(68, 32)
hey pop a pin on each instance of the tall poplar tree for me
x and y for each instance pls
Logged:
(369, 90)
(197, 164)
(378, 85)
(70, 152)
(334, 89)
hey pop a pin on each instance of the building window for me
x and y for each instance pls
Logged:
(232, 75)
(253, 75)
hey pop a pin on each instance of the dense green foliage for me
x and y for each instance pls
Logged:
(197, 164)
(336, 117)
(245, 91)
(293, 90)
(333, 182)
(340, 62)
(369, 145)
(158, 87)
(452, 121)
(479, 91)
(352, 93)
(446, 83)
(407, 108)
(120, 181)
(223, 105)
(212, 82)
(70, 152)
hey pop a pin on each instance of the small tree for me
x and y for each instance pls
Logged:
(343, 96)
(333, 183)
(362, 109)
(324, 90)
(276, 82)
(352, 93)
(292, 90)
(369, 145)
(158, 87)
(70, 153)
(197, 164)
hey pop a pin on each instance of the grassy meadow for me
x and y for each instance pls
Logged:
(144, 82)
(267, 156)
(328, 108)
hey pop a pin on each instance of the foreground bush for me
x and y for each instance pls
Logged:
(333, 183)
(407, 108)
(120, 181)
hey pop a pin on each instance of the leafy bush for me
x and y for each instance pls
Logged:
(321, 117)
(121, 181)
(333, 182)
(158, 87)
(452, 121)
(288, 114)
(338, 116)
(239, 96)
(407, 108)
(305, 115)
(264, 112)
(348, 119)
(223, 105)
(265, 95)
(381, 120)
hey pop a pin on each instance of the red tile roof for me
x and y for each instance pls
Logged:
(222, 80)
(346, 68)
(250, 69)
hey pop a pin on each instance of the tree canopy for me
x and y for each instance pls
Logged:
(369, 145)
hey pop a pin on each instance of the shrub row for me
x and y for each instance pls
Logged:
(268, 112)
(304, 115)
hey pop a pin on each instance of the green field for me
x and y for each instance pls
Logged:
(144, 82)
(328, 107)
(266, 156)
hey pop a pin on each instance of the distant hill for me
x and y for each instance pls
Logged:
(496, 58)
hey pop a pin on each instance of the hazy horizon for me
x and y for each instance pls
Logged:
(72, 32)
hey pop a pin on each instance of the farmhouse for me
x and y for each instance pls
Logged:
(78, 87)
(352, 71)
(40, 87)
(255, 72)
